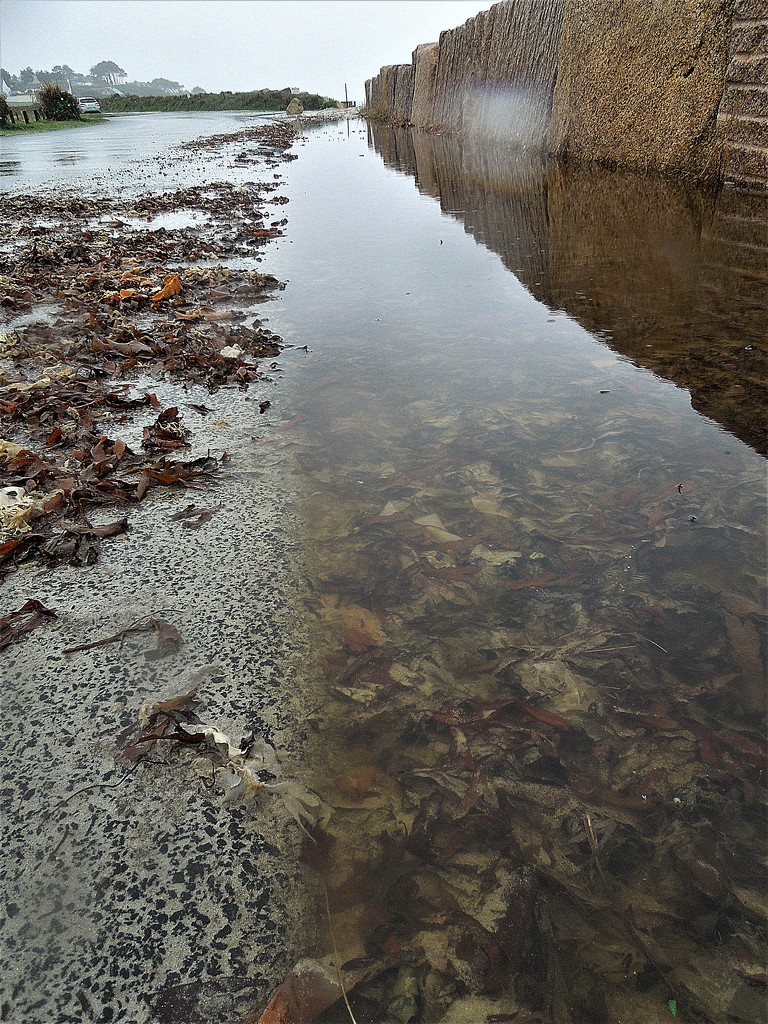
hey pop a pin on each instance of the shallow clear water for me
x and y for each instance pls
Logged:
(536, 582)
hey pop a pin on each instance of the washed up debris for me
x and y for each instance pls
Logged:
(167, 432)
(56, 487)
(78, 543)
(127, 296)
(31, 615)
(236, 767)
(193, 517)
(171, 286)
(313, 986)
(270, 140)
(169, 639)
(22, 386)
(18, 508)
(8, 450)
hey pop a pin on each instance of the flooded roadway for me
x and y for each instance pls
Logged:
(534, 580)
(537, 575)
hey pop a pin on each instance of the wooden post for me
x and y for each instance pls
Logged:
(346, 98)
(26, 116)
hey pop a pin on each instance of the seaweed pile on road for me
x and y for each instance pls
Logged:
(95, 297)
(262, 145)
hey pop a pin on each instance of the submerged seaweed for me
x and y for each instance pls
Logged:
(541, 779)
(537, 583)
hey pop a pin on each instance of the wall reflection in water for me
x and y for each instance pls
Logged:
(671, 276)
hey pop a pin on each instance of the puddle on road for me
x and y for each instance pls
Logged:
(536, 583)
(43, 313)
(173, 220)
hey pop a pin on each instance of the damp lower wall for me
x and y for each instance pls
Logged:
(671, 85)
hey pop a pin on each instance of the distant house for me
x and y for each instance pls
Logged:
(95, 87)
(25, 99)
(21, 99)
(295, 91)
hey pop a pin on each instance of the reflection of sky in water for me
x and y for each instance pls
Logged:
(387, 290)
(174, 220)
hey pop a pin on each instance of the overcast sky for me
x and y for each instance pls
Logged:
(228, 44)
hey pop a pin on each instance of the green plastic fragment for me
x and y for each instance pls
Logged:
(672, 1004)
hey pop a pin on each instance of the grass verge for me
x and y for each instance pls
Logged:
(50, 126)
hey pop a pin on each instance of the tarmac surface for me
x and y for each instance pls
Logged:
(129, 885)
(129, 892)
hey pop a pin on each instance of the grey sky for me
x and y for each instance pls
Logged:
(228, 44)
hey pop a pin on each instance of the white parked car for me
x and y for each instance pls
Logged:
(89, 105)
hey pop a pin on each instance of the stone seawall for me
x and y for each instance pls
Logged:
(496, 73)
(672, 85)
(743, 115)
(639, 83)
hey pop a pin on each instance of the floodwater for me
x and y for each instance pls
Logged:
(527, 430)
(124, 152)
(536, 576)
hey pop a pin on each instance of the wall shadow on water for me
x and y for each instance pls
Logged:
(669, 275)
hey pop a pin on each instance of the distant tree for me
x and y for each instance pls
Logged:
(108, 72)
(64, 73)
(8, 79)
(164, 86)
(197, 91)
(26, 78)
